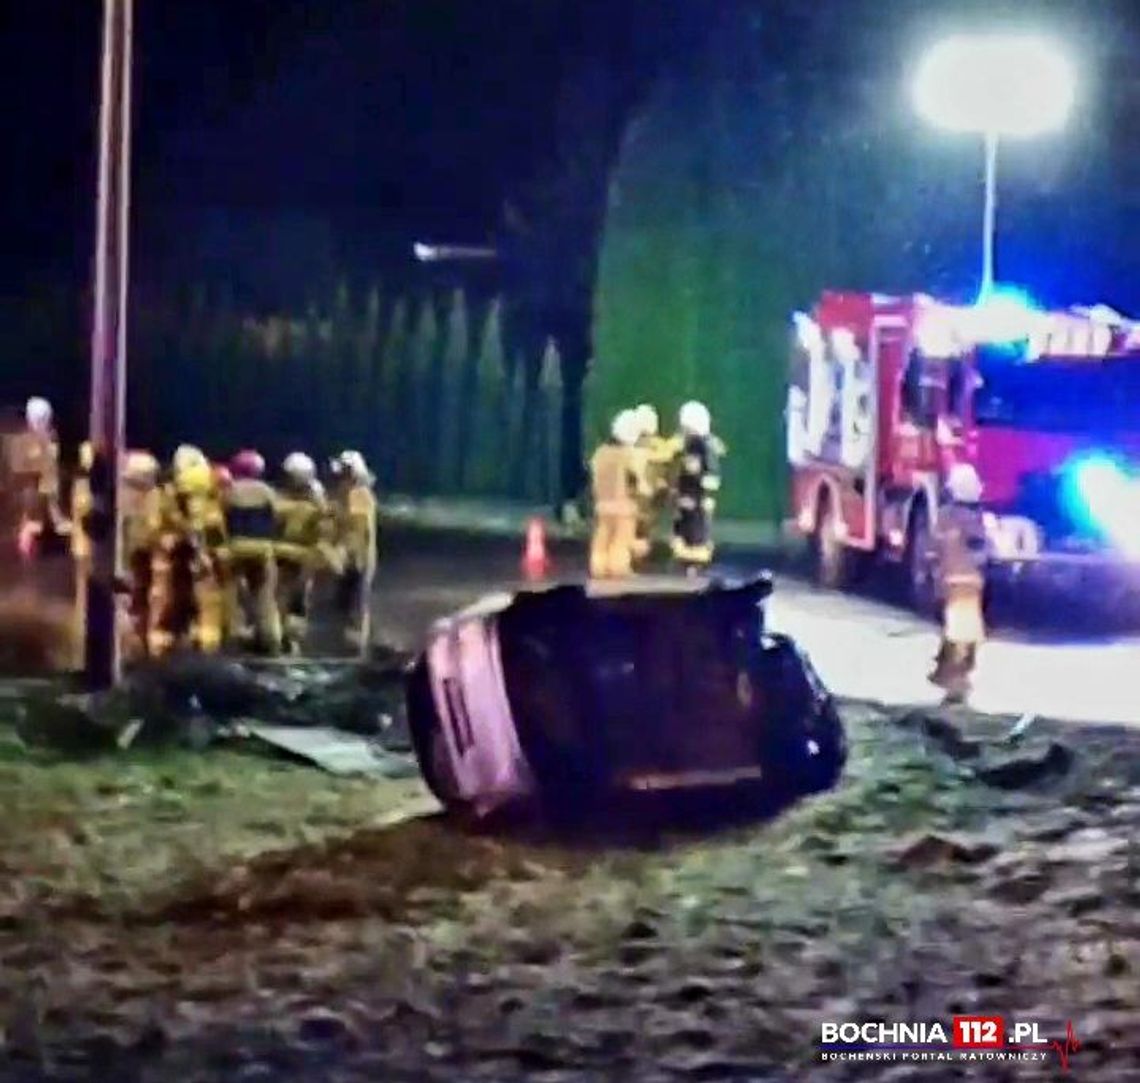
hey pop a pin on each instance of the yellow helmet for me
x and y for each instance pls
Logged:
(196, 479)
(188, 457)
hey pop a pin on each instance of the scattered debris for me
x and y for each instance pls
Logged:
(334, 750)
(929, 849)
(1020, 728)
(1022, 771)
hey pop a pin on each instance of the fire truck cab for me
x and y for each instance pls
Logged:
(886, 393)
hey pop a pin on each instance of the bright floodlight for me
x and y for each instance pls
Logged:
(1015, 86)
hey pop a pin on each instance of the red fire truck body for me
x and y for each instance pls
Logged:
(886, 393)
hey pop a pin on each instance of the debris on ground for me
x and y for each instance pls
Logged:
(194, 701)
(987, 756)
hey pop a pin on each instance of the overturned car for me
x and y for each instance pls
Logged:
(573, 694)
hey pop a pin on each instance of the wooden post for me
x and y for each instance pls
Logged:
(109, 342)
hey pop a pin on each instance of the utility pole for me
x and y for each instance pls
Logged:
(109, 341)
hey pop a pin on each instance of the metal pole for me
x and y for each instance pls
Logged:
(109, 341)
(989, 212)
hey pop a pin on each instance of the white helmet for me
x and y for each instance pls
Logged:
(299, 467)
(626, 427)
(695, 419)
(188, 457)
(963, 484)
(37, 412)
(140, 466)
(353, 463)
(647, 418)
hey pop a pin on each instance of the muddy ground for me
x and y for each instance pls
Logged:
(220, 916)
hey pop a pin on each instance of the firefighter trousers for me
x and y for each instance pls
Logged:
(692, 532)
(295, 592)
(612, 544)
(209, 625)
(252, 596)
(354, 603)
(135, 644)
(172, 606)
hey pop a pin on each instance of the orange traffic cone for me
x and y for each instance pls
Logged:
(535, 562)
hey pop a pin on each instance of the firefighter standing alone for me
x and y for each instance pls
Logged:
(961, 550)
(619, 483)
(698, 482)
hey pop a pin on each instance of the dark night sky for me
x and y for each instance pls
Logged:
(414, 110)
(411, 115)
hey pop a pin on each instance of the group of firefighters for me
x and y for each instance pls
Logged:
(638, 473)
(214, 554)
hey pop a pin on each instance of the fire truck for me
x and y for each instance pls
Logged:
(886, 393)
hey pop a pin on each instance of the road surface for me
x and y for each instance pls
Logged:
(863, 647)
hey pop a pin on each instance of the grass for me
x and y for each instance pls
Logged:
(121, 829)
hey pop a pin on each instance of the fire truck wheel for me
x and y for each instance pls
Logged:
(831, 559)
(922, 592)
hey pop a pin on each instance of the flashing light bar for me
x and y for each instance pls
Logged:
(1008, 317)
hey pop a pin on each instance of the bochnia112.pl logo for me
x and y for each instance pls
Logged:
(962, 1038)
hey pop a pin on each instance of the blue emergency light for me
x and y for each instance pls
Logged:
(1101, 493)
(1004, 316)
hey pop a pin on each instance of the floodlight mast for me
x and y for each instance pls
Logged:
(995, 86)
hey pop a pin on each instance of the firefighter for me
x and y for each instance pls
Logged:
(80, 507)
(698, 482)
(35, 470)
(186, 604)
(657, 454)
(251, 524)
(301, 546)
(355, 514)
(141, 525)
(619, 483)
(960, 539)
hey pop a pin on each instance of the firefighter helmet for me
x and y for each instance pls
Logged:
(247, 464)
(695, 419)
(187, 457)
(299, 467)
(140, 467)
(626, 428)
(963, 484)
(353, 464)
(647, 416)
(37, 412)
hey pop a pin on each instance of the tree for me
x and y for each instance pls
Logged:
(342, 395)
(454, 359)
(547, 430)
(393, 393)
(366, 381)
(489, 413)
(416, 431)
(518, 381)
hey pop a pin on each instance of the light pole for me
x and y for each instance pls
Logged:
(109, 341)
(997, 86)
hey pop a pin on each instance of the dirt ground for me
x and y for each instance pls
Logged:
(220, 916)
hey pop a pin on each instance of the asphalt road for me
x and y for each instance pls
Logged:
(863, 646)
